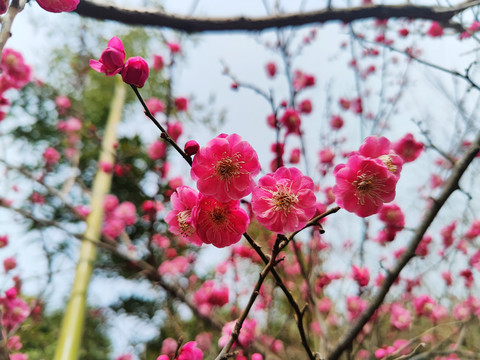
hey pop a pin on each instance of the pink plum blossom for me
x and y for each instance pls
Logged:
(225, 167)
(271, 69)
(291, 120)
(380, 148)
(112, 59)
(57, 6)
(15, 73)
(155, 105)
(135, 71)
(51, 156)
(14, 309)
(408, 148)
(157, 150)
(401, 318)
(174, 129)
(190, 351)
(179, 219)
(126, 212)
(284, 201)
(177, 266)
(219, 223)
(181, 104)
(3, 241)
(247, 333)
(158, 62)
(361, 275)
(435, 30)
(363, 185)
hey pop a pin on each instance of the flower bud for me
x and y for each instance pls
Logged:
(57, 6)
(135, 71)
(112, 58)
(191, 147)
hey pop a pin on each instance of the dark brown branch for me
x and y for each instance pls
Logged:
(191, 24)
(450, 186)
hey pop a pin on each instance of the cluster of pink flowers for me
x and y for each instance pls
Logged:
(117, 216)
(189, 351)
(14, 309)
(112, 61)
(224, 170)
(209, 295)
(369, 178)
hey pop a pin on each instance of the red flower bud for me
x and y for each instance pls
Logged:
(191, 147)
(135, 71)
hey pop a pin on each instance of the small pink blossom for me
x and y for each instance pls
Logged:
(247, 333)
(106, 167)
(225, 167)
(135, 71)
(284, 201)
(181, 104)
(179, 265)
(190, 351)
(326, 156)
(423, 305)
(3, 241)
(18, 356)
(305, 106)
(126, 212)
(363, 185)
(158, 62)
(355, 307)
(174, 129)
(336, 122)
(361, 275)
(15, 73)
(113, 228)
(392, 216)
(51, 156)
(219, 223)
(179, 219)
(400, 317)
(295, 156)
(408, 148)
(447, 234)
(14, 309)
(174, 47)
(302, 81)
(57, 6)
(291, 120)
(155, 105)
(9, 263)
(112, 59)
(63, 104)
(435, 30)
(157, 150)
(474, 230)
(271, 69)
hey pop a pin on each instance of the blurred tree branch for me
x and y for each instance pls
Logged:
(190, 24)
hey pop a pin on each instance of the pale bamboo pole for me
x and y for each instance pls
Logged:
(74, 318)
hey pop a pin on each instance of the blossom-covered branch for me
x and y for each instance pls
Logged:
(450, 186)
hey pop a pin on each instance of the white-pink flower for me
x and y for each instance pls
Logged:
(284, 201)
(225, 167)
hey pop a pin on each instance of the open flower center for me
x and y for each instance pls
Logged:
(283, 199)
(218, 216)
(368, 185)
(184, 222)
(228, 167)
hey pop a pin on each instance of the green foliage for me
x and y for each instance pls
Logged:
(39, 338)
